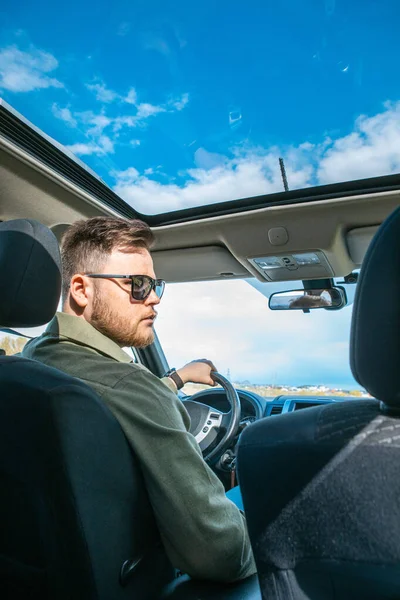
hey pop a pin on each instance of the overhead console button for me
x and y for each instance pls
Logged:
(278, 236)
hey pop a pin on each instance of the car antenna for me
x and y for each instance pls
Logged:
(283, 173)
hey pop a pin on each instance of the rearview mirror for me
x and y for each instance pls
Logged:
(331, 298)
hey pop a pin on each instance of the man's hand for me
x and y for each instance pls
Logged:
(197, 371)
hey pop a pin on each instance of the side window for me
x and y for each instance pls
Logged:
(11, 344)
(14, 343)
(131, 353)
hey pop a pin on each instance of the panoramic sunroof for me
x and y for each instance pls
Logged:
(180, 105)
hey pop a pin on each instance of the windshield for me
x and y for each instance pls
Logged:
(271, 352)
(176, 105)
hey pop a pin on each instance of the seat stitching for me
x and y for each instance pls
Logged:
(337, 433)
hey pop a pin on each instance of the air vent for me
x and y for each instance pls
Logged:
(299, 405)
(276, 410)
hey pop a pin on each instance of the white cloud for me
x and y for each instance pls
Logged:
(97, 141)
(180, 103)
(126, 121)
(372, 149)
(248, 175)
(144, 109)
(208, 160)
(81, 149)
(100, 125)
(64, 114)
(27, 71)
(106, 95)
(131, 97)
(97, 122)
(148, 110)
(104, 145)
(102, 93)
(129, 175)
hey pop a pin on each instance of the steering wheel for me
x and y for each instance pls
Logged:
(207, 422)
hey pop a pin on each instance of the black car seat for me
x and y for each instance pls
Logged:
(75, 520)
(321, 486)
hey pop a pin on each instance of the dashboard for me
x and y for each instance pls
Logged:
(255, 407)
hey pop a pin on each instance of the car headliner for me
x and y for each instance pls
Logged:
(202, 247)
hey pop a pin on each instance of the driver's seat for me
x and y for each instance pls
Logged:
(75, 520)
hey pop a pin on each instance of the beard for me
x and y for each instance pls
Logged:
(111, 323)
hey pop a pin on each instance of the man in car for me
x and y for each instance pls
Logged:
(310, 299)
(110, 295)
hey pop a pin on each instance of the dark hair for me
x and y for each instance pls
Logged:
(86, 244)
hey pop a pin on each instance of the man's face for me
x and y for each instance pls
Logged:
(114, 312)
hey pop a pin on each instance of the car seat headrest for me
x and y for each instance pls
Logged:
(375, 328)
(30, 273)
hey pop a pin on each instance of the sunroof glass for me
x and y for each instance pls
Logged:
(283, 96)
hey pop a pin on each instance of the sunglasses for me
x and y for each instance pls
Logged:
(142, 285)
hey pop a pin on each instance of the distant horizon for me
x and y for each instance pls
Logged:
(339, 386)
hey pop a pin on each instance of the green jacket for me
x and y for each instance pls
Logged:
(203, 532)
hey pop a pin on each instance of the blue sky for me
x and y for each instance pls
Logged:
(175, 104)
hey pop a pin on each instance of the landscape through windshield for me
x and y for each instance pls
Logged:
(269, 352)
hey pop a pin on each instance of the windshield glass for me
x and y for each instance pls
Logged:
(271, 352)
(176, 105)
